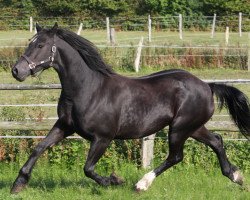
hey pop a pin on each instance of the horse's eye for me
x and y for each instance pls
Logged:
(40, 46)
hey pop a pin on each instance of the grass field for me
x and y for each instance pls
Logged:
(50, 182)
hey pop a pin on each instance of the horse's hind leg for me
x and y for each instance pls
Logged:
(176, 144)
(216, 143)
(97, 149)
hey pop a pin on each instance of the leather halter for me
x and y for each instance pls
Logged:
(33, 65)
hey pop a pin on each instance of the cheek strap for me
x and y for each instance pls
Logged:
(33, 65)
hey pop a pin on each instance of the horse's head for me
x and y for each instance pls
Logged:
(39, 55)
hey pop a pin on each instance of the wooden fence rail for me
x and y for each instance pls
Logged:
(29, 87)
(58, 86)
(45, 125)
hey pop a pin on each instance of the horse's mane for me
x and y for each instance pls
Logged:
(87, 51)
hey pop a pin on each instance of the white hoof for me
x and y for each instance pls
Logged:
(145, 182)
(238, 178)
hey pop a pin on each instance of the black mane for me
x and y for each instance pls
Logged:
(87, 51)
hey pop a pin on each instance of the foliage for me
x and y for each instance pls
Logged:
(71, 153)
(57, 7)
(229, 7)
(103, 8)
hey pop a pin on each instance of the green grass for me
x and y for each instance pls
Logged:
(50, 182)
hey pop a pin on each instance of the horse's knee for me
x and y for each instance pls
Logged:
(88, 171)
(25, 173)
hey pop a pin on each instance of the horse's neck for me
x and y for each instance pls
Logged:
(76, 77)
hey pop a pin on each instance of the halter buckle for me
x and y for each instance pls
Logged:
(32, 65)
(51, 58)
(53, 49)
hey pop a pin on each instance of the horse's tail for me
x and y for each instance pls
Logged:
(237, 104)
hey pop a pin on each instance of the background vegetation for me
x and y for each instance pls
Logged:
(124, 14)
(103, 8)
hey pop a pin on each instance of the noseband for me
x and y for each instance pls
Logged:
(33, 65)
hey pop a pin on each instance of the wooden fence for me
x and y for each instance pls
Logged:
(147, 142)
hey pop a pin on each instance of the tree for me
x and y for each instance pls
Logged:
(228, 7)
(57, 7)
(104, 8)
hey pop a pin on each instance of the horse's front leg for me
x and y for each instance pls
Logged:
(97, 149)
(56, 134)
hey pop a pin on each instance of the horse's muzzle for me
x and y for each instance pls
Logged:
(19, 74)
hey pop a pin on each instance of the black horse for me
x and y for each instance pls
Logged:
(101, 106)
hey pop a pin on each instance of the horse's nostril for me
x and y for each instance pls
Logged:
(15, 71)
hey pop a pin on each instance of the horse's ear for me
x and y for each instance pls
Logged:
(55, 27)
(38, 28)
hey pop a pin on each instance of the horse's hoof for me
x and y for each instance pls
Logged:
(145, 182)
(19, 185)
(115, 180)
(17, 188)
(238, 178)
(138, 190)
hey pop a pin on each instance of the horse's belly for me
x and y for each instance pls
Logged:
(143, 126)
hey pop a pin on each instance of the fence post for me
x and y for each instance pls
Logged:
(227, 35)
(149, 28)
(112, 36)
(79, 29)
(213, 26)
(31, 24)
(138, 55)
(248, 57)
(147, 150)
(108, 29)
(240, 22)
(180, 26)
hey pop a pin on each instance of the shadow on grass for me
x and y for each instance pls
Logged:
(51, 184)
(5, 184)
(64, 183)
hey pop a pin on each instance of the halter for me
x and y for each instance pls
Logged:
(33, 65)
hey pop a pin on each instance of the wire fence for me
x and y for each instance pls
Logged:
(127, 23)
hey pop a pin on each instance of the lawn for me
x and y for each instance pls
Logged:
(51, 182)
